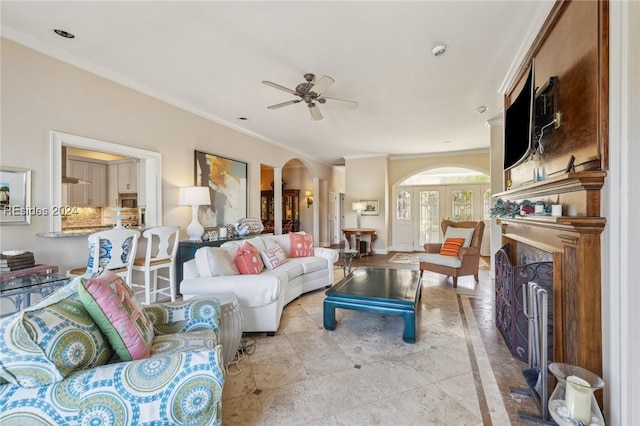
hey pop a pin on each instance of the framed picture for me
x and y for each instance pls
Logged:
(227, 183)
(15, 196)
(370, 208)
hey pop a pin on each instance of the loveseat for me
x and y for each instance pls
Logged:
(290, 270)
(180, 382)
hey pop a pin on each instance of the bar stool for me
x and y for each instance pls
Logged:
(114, 249)
(162, 246)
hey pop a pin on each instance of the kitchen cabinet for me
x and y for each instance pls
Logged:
(127, 178)
(87, 195)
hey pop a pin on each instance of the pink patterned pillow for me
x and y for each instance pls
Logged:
(301, 245)
(273, 257)
(248, 260)
(113, 306)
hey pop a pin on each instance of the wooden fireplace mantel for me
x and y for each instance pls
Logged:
(574, 243)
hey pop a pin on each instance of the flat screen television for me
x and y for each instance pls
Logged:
(519, 143)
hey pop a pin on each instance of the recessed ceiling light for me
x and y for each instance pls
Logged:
(446, 142)
(481, 109)
(63, 33)
(439, 50)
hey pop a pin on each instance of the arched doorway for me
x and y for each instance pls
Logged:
(423, 200)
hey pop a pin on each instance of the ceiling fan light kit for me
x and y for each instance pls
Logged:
(311, 93)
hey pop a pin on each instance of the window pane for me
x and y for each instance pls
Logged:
(462, 207)
(487, 204)
(404, 205)
(429, 217)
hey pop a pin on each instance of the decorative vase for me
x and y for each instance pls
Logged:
(572, 401)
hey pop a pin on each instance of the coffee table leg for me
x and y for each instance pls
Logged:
(409, 333)
(329, 316)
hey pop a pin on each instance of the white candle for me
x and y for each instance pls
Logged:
(577, 399)
(539, 208)
(556, 210)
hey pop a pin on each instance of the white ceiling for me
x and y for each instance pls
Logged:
(210, 57)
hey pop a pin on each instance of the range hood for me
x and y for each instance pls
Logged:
(69, 179)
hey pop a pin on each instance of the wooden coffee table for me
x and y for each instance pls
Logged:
(378, 290)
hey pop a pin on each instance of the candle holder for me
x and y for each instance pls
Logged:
(572, 401)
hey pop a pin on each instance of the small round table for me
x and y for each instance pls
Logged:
(346, 258)
(230, 331)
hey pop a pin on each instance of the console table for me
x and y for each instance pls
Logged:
(356, 233)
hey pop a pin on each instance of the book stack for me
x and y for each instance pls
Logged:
(14, 260)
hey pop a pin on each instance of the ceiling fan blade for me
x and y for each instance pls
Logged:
(322, 84)
(277, 86)
(350, 104)
(276, 106)
(316, 115)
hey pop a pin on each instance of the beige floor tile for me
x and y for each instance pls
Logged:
(276, 371)
(430, 405)
(293, 404)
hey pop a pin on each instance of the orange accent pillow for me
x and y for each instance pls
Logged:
(451, 246)
(301, 245)
(248, 260)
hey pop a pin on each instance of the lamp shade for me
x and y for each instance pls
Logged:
(194, 196)
(357, 206)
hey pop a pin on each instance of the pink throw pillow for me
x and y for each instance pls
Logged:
(301, 245)
(273, 257)
(248, 260)
(114, 307)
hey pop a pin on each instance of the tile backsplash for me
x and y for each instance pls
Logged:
(84, 217)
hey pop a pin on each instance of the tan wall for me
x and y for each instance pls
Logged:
(40, 94)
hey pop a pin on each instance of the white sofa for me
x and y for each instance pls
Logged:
(262, 296)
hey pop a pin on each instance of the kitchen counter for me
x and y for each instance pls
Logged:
(79, 232)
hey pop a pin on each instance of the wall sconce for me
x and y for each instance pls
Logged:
(309, 196)
(358, 207)
(194, 196)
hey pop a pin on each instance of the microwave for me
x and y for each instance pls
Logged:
(129, 203)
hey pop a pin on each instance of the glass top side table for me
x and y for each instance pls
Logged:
(19, 289)
(346, 259)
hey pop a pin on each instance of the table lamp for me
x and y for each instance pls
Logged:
(358, 207)
(194, 196)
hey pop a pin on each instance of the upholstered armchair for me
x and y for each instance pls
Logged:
(459, 255)
(179, 383)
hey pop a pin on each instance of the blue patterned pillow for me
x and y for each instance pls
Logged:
(50, 340)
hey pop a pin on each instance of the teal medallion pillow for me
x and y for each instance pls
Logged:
(67, 338)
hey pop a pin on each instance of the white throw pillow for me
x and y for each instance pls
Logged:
(215, 261)
(273, 257)
(466, 233)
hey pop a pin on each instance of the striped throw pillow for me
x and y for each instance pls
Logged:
(451, 246)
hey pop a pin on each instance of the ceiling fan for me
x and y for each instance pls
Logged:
(311, 92)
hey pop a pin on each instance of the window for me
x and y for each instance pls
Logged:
(403, 205)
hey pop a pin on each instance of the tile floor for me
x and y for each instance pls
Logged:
(362, 373)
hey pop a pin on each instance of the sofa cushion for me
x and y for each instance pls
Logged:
(283, 240)
(439, 259)
(301, 245)
(50, 339)
(118, 313)
(311, 264)
(248, 260)
(466, 233)
(273, 257)
(215, 261)
(287, 272)
(451, 246)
